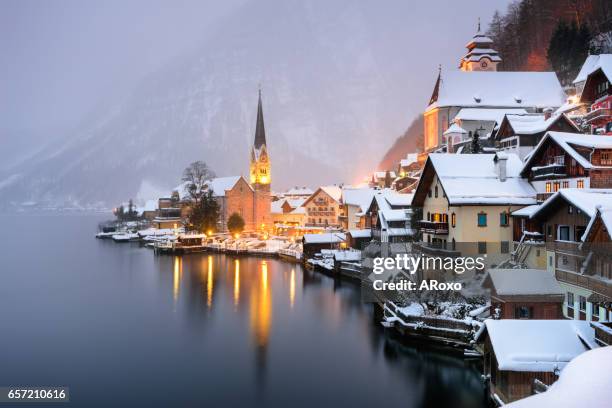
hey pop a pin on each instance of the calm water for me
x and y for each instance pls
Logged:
(122, 327)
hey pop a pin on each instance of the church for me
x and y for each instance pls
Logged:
(250, 198)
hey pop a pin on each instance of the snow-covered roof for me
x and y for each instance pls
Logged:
(499, 89)
(360, 233)
(486, 115)
(454, 128)
(410, 158)
(585, 199)
(592, 64)
(298, 191)
(605, 214)
(276, 207)
(526, 211)
(380, 175)
(360, 197)
(524, 282)
(531, 123)
(473, 179)
(334, 192)
(220, 184)
(584, 382)
(347, 255)
(567, 140)
(295, 202)
(394, 215)
(538, 345)
(299, 210)
(397, 199)
(326, 238)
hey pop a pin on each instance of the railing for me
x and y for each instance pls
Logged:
(541, 197)
(596, 114)
(434, 227)
(589, 282)
(554, 169)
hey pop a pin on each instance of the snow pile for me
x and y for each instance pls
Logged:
(585, 382)
(524, 282)
(486, 115)
(327, 238)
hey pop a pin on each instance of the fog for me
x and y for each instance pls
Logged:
(67, 65)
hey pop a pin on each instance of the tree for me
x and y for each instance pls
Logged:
(204, 213)
(387, 179)
(196, 177)
(235, 223)
(568, 48)
(475, 146)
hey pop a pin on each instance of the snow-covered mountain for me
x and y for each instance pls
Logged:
(332, 105)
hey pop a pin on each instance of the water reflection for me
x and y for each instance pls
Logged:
(176, 278)
(292, 288)
(236, 282)
(209, 282)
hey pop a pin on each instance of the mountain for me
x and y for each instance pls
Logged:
(331, 100)
(410, 142)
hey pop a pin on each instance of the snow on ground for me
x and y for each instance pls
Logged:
(585, 382)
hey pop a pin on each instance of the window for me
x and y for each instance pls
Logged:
(504, 219)
(556, 186)
(582, 301)
(428, 216)
(429, 193)
(482, 219)
(436, 192)
(570, 209)
(580, 184)
(606, 158)
(595, 310)
(548, 187)
(505, 247)
(436, 217)
(566, 184)
(453, 220)
(482, 247)
(523, 312)
(564, 233)
(580, 230)
(570, 300)
(549, 230)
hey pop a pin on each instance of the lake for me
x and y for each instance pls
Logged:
(120, 326)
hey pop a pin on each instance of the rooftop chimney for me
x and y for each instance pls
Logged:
(501, 160)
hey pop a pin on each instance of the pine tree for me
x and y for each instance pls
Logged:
(235, 223)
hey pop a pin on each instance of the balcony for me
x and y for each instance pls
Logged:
(434, 227)
(598, 114)
(593, 283)
(550, 170)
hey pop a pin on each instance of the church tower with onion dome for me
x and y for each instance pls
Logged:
(480, 56)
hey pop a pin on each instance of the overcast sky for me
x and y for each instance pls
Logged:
(63, 58)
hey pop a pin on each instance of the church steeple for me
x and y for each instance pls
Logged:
(260, 130)
(260, 160)
(480, 56)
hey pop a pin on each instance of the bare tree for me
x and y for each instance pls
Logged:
(196, 177)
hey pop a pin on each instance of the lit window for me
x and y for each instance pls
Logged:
(580, 184)
(556, 186)
(606, 158)
(482, 219)
(566, 184)
(453, 220)
(548, 187)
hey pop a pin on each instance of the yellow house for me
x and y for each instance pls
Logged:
(466, 200)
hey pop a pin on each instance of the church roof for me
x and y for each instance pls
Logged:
(260, 130)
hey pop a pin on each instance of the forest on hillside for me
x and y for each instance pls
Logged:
(534, 35)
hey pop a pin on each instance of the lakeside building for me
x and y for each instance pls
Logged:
(355, 202)
(595, 90)
(524, 294)
(288, 212)
(520, 133)
(569, 160)
(520, 354)
(323, 207)
(468, 199)
(585, 279)
(389, 217)
(478, 85)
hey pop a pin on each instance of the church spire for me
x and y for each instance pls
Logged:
(260, 130)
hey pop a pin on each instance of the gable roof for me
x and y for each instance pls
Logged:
(567, 141)
(604, 214)
(471, 179)
(334, 192)
(592, 64)
(585, 199)
(454, 128)
(360, 197)
(487, 115)
(220, 184)
(524, 282)
(532, 123)
(538, 345)
(498, 89)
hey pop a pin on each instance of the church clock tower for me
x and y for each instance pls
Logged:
(260, 176)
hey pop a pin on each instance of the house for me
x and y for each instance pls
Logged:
(409, 166)
(298, 192)
(468, 199)
(355, 202)
(481, 120)
(323, 207)
(358, 238)
(569, 160)
(524, 294)
(565, 217)
(520, 133)
(288, 212)
(594, 79)
(389, 216)
(382, 179)
(314, 243)
(171, 211)
(519, 352)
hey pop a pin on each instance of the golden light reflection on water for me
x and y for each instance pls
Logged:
(261, 308)
(292, 288)
(209, 283)
(236, 282)
(176, 278)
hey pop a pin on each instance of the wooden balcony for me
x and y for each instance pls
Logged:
(549, 171)
(598, 114)
(434, 227)
(589, 282)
